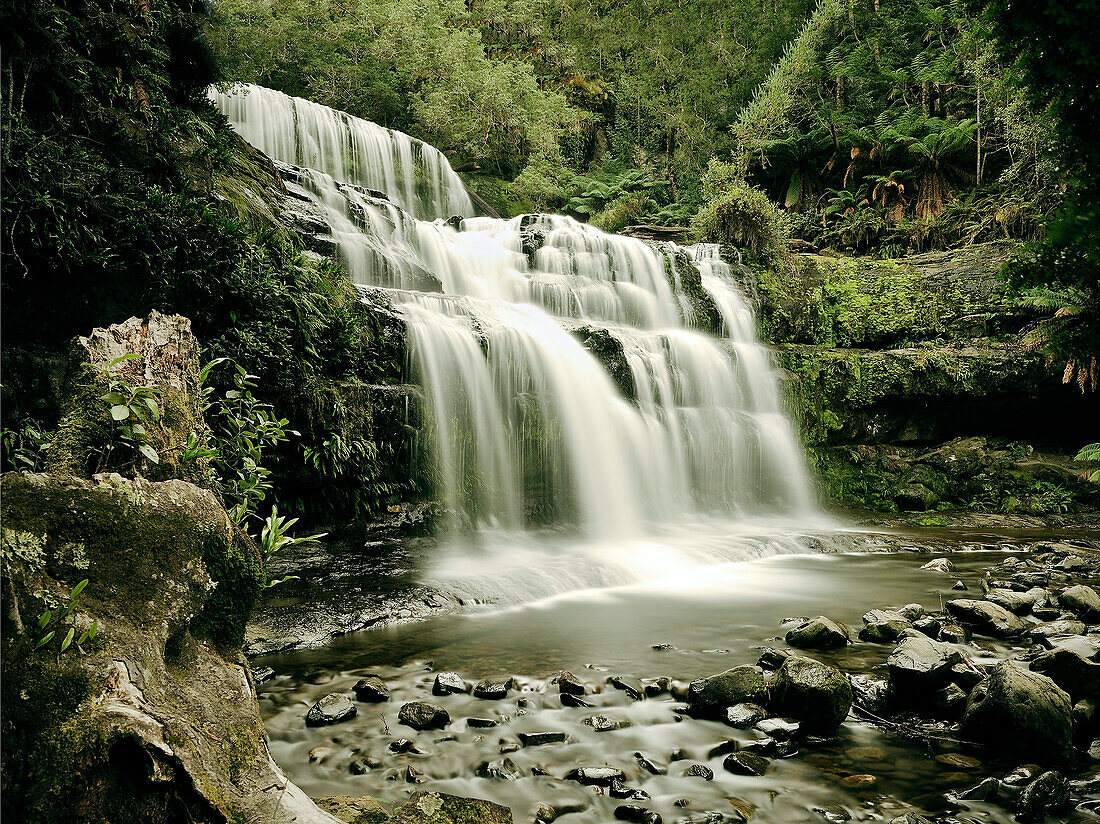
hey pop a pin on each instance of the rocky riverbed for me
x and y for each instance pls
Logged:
(959, 686)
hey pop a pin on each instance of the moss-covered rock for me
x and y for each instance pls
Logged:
(149, 720)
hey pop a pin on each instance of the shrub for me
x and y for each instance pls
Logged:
(735, 212)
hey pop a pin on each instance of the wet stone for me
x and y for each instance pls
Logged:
(654, 687)
(617, 789)
(481, 723)
(1022, 775)
(449, 683)
(987, 617)
(985, 790)
(569, 684)
(1019, 603)
(779, 728)
(709, 697)
(605, 723)
(401, 745)
(538, 739)
(568, 699)
(816, 694)
(1052, 629)
(743, 716)
(882, 626)
(928, 625)
(332, 709)
(1046, 795)
(1082, 601)
(818, 633)
(745, 763)
(959, 585)
(958, 761)
(952, 633)
(371, 690)
(771, 659)
(631, 686)
(938, 565)
(595, 776)
(770, 747)
(502, 769)
(492, 690)
(647, 764)
(700, 771)
(870, 692)
(421, 715)
(858, 781)
(263, 674)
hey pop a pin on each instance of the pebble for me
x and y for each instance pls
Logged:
(449, 683)
(745, 763)
(538, 739)
(858, 780)
(492, 690)
(700, 771)
(371, 690)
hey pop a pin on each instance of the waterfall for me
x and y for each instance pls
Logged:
(572, 377)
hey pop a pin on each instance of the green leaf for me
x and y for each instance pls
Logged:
(79, 588)
(150, 453)
(44, 619)
(45, 639)
(68, 639)
(123, 358)
(152, 404)
(120, 412)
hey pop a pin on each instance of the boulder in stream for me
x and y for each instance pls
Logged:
(1083, 602)
(987, 617)
(332, 709)
(421, 715)
(1019, 712)
(710, 697)
(819, 633)
(816, 694)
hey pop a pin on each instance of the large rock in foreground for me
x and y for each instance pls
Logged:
(1019, 713)
(157, 712)
(710, 697)
(816, 694)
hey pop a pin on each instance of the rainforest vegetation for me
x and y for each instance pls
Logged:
(850, 126)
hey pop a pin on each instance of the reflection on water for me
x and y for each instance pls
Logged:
(714, 618)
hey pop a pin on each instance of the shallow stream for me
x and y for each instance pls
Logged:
(696, 619)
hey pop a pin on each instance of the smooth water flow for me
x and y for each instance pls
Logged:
(588, 381)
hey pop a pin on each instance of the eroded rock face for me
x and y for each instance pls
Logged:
(151, 714)
(1019, 712)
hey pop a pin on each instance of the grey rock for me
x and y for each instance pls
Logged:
(816, 694)
(371, 690)
(481, 723)
(779, 728)
(1018, 603)
(568, 699)
(883, 626)
(742, 716)
(420, 715)
(332, 709)
(503, 769)
(492, 690)
(1082, 601)
(1047, 794)
(745, 763)
(440, 808)
(605, 723)
(1050, 629)
(700, 771)
(449, 683)
(631, 686)
(569, 684)
(595, 776)
(709, 697)
(952, 633)
(538, 739)
(818, 633)
(1079, 677)
(987, 617)
(919, 666)
(1019, 712)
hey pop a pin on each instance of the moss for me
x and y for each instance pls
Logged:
(237, 570)
(608, 350)
(697, 306)
(241, 751)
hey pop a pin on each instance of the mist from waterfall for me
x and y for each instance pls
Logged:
(678, 418)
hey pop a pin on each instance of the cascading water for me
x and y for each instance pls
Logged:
(677, 421)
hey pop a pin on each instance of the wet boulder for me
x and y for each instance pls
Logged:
(742, 716)
(818, 633)
(503, 770)
(371, 690)
(449, 683)
(1046, 795)
(569, 684)
(420, 715)
(745, 763)
(1018, 603)
(883, 626)
(1076, 675)
(710, 697)
(354, 810)
(439, 808)
(987, 617)
(492, 690)
(595, 776)
(918, 667)
(915, 497)
(1083, 602)
(332, 709)
(1054, 629)
(1019, 712)
(816, 694)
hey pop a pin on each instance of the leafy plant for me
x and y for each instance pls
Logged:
(50, 624)
(24, 449)
(276, 537)
(243, 428)
(1090, 453)
(130, 408)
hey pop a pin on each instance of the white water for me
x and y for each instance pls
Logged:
(528, 427)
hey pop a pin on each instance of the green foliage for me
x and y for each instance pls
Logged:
(51, 625)
(24, 449)
(1090, 453)
(734, 212)
(129, 409)
(275, 537)
(894, 126)
(1053, 51)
